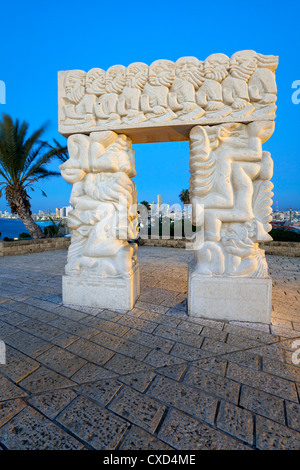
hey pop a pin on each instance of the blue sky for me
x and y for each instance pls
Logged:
(40, 38)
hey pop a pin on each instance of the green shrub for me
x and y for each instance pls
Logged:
(24, 235)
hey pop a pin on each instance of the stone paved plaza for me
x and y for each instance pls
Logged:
(150, 378)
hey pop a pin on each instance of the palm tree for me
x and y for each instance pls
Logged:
(23, 162)
(184, 196)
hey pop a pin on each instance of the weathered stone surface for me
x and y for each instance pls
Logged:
(262, 403)
(52, 403)
(9, 408)
(44, 379)
(61, 361)
(139, 409)
(101, 391)
(91, 351)
(30, 430)
(138, 439)
(185, 398)
(236, 421)
(185, 433)
(82, 418)
(274, 436)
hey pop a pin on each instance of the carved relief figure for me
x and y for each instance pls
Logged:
(235, 87)
(230, 177)
(154, 99)
(262, 85)
(129, 100)
(106, 107)
(100, 168)
(78, 107)
(209, 96)
(182, 99)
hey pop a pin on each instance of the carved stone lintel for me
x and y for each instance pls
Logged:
(163, 101)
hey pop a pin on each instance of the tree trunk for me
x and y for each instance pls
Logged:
(34, 230)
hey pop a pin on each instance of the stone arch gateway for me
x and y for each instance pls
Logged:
(226, 108)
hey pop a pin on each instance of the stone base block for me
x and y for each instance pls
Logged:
(95, 291)
(229, 298)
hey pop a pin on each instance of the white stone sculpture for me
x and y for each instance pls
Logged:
(226, 108)
(163, 101)
(230, 178)
(100, 168)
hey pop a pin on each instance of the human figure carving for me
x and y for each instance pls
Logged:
(235, 88)
(106, 106)
(154, 99)
(209, 96)
(262, 85)
(182, 100)
(129, 100)
(100, 168)
(78, 107)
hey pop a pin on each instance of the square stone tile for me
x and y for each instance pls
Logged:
(30, 430)
(185, 398)
(96, 426)
(213, 384)
(139, 381)
(263, 381)
(178, 335)
(52, 403)
(9, 390)
(10, 408)
(91, 351)
(28, 344)
(236, 421)
(153, 342)
(102, 391)
(138, 439)
(61, 361)
(121, 345)
(125, 365)
(293, 415)
(185, 433)
(262, 403)
(18, 365)
(137, 408)
(43, 380)
(274, 436)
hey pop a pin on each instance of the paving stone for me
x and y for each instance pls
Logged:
(90, 373)
(28, 343)
(244, 358)
(139, 381)
(137, 323)
(52, 403)
(74, 327)
(185, 433)
(188, 353)
(287, 371)
(217, 347)
(175, 371)
(293, 415)
(138, 408)
(183, 397)
(241, 342)
(64, 340)
(91, 351)
(18, 365)
(6, 329)
(82, 418)
(190, 327)
(61, 361)
(125, 365)
(149, 340)
(262, 403)
(30, 430)
(13, 318)
(217, 365)
(262, 381)
(102, 391)
(250, 333)
(105, 325)
(121, 345)
(10, 408)
(40, 329)
(214, 334)
(181, 336)
(160, 359)
(274, 436)
(213, 384)
(44, 379)
(9, 390)
(138, 439)
(236, 421)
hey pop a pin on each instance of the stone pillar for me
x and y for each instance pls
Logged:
(102, 269)
(230, 180)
